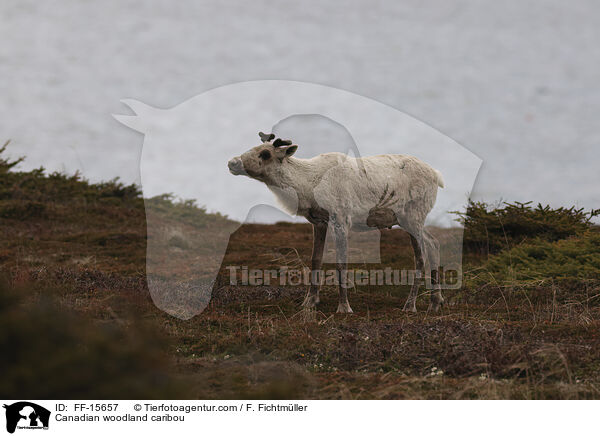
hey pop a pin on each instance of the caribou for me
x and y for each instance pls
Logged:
(336, 192)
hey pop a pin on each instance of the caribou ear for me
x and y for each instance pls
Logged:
(281, 142)
(285, 151)
(266, 137)
(291, 150)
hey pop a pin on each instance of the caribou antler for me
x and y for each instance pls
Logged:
(266, 137)
(281, 142)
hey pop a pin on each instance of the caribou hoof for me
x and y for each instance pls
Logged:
(436, 303)
(344, 308)
(410, 306)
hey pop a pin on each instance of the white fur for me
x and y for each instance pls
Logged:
(348, 188)
(341, 192)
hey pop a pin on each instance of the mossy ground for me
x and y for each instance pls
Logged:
(525, 324)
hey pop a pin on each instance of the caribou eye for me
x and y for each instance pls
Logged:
(265, 155)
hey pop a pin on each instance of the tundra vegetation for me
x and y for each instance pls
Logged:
(77, 321)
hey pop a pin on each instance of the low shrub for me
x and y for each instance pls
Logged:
(490, 229)
(573, 258)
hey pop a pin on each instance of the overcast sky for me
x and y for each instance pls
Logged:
(515, 82)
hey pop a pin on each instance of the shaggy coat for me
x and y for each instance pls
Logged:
(337, 192)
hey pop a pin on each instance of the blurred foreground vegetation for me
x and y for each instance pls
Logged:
(51, 351)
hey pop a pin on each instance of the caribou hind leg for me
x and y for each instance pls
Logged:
(418, 249)
(433, 253)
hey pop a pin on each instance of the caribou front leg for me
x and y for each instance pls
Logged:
(341, 245)
(319, 235)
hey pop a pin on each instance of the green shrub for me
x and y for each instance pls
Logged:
(35, 187)
(573, 258)
(32, 194)
(491, 229)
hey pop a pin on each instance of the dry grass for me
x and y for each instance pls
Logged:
(536, 340)
(495, 339)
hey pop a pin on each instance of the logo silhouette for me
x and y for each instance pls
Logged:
(186, 149)
(24, 414)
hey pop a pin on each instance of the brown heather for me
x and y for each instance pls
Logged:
(76, 319)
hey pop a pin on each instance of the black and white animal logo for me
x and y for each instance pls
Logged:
(26, 415)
